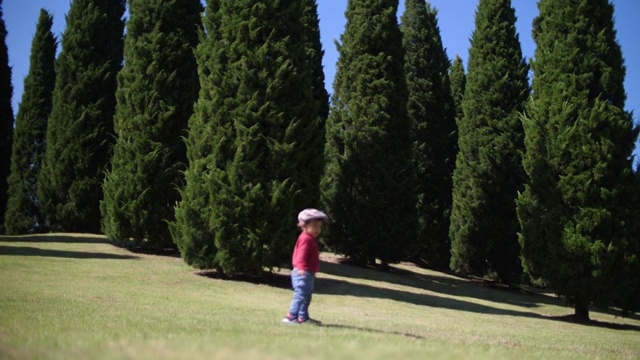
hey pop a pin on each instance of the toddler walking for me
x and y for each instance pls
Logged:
(306, 263)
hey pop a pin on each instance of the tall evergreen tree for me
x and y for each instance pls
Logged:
(431, 112)
(488, 173)
(622, 271)
(629, 274)
(22, 214)
(248, 139)
(577, 206)
(80, 132)
(156, 91)
(313, 168)
(369, 182)
(458, 84)
(6, 119)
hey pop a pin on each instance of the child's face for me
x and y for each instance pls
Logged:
(313, 227)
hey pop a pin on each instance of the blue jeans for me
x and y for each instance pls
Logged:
(302, 289)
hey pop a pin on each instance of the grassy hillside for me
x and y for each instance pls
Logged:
(77, 296)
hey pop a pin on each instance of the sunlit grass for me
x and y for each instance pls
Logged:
(77, 296)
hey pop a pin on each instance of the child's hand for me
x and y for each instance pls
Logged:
(302, 272)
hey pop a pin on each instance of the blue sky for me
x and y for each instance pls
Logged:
(455, 17)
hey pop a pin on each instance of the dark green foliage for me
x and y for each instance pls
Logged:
(431, 113)
(23, 214)
(6, 119)
(488, 173)
(458, 84)
(313, 168)
(621, 281)
(249, 138)
(627, 273)
(579, 209)
(80, 132)
(369, 182)
(156, 91)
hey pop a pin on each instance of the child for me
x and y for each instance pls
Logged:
(306, 263)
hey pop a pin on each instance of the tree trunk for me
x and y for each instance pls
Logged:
(581, 311)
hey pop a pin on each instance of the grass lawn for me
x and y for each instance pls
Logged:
(68, 296)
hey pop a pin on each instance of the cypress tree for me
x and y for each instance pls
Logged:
(369, 182)
(80, 132)
(458, 84)
(431, 111)
(619, 287)
(247, 138)
(22, 214)
(6, 119)
(156, 91)
(488, 172)
(628, 276)
(313, 168)
(577, 210)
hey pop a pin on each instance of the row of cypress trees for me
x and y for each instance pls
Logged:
(578, 209)
(545, 186)
(6, 120)
(80, 132)
(416, 158)
(256, 136)
(23, 212)
(368, 186)
(432, 112)
(488, 173)
(155, 96)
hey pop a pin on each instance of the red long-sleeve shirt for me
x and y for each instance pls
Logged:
(306, 255)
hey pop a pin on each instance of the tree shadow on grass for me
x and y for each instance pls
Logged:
(89, 239)
(57, 238)
(346, 288)
(437, 284)
(275, 280)
(594, 323)
(168, 252)
(457, 287)
(32, 251)
(443, 284)
(330, 286)
(449, 283)
(375, 331)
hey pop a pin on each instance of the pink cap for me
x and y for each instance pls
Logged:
(307, 215)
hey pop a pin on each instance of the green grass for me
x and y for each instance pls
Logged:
(79, 297)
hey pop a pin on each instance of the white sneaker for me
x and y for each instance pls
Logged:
(290, 321)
